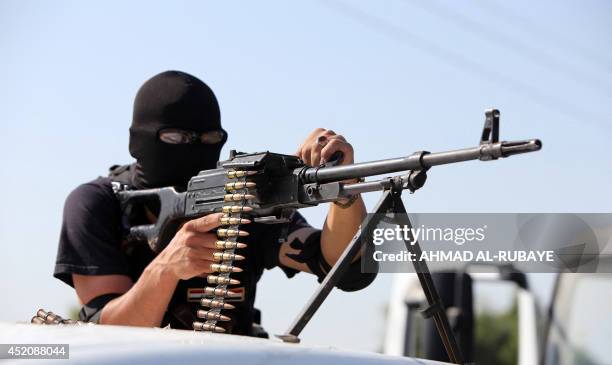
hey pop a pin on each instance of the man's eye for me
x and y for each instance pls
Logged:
(173, 138)
(212, 137)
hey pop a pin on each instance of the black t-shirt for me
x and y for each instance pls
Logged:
(91, 244)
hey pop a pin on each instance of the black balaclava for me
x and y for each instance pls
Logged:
(172, 99)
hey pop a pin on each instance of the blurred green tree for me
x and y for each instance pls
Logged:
(497, 337)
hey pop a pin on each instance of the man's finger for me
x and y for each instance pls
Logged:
(205, 254)
(197, 239)
(338, 136)
(335, 145)
(315, 152)
(204, 224)
(202, 267)
(316, 132)
(311, 136)
(329, 133)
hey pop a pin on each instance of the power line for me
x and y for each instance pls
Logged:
(459, 61)
(534, 54)
(525, 23)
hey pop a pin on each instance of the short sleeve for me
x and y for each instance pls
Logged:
(305, 241)
(90, 238)
(278, 234)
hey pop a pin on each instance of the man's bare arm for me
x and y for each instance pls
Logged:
(189, 254)
(341, 223)
(142, 304)
(340, 227)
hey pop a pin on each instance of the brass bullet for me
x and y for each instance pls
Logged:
(37, 320)
(240, 185)
(236, 209)
(49, 317)
(221, 280)
(199, 326)
(237, 197)
(233, 221)
(221, 292)
(224, 256)
(232, 174)
(226, 245)
(211, 316)
(42, 314)
(215, 303)
(223, 232)
(224, 268)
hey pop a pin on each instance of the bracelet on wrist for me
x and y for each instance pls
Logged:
(352, 198)
(350, 202)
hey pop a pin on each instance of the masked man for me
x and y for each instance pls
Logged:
(176, 132)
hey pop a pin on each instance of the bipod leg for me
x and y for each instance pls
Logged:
(337, 271)
(435, 308)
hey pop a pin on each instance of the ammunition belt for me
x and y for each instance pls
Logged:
(236, 200)
(44, 317)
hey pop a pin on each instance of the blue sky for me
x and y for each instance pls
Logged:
(393, 77)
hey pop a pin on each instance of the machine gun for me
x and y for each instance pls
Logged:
(267, 187)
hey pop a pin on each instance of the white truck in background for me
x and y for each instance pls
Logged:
(574, 329)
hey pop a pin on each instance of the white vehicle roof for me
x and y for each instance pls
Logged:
(117, 345)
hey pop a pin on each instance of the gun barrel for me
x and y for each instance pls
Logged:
(419, 160)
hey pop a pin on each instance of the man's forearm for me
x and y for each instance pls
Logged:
(145, 303)
(340, 227)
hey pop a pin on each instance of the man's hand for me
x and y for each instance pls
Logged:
(190, 253)
(341, 222)
(321, 144)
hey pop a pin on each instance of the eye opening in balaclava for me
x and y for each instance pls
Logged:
(184, 136)
(173, 100)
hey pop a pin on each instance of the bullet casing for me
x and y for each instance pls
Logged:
(221, 280)
(212, 316)
(215, 303)
(225, 256)
(233, 221)
(224, 268)
(237, 197)
(227, 245)
(49, 317)
(199, 326)
(225, 232)
(240, 185)
(236, 209)
(232, 174)
(37, 320)
(221, 292)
